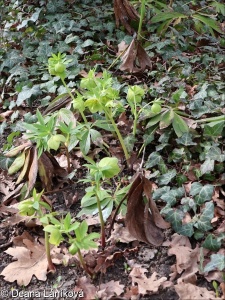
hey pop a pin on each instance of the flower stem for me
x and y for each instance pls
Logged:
(127, 156)
(68, 159)
(51, 266)
(141, 19)
(102, 223)
(83, 263)
(71, 95)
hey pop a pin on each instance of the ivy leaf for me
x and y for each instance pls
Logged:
(166, 178)
(175, 216)
(5, 162)
(211, 243)
(186, 140)
(87, 43)
(186, 230)
(214, 129)
(204, 222)
(154, 159)
(195, 188)
(204, 194)
(26, 93)
(217, 262)
(207, 166)
(215, 153)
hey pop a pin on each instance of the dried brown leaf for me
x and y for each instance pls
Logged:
(32, 175)
(135, 59)
(57, 170)
(31, 260)
(144, 224)
(109, 289)
(121, 233)
(190, 292)
(88, 288)
(17, 149)
(45, 170)
(15, 193)
(124, 14)
(145, 284)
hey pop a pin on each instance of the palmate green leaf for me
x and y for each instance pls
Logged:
(167, 177)
(217, 263)
(220, 7)
(207, 166)
(204, 222)
(55, 141)
(167, 15)
(211, 243)
(179, 125)
(208, 21)
(166, 119)
(85, 142)
(154, 120)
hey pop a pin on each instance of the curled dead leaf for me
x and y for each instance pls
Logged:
(144, 220)
(124, 14)
(135, 59)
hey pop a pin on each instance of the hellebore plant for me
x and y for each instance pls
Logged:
(99, 96)
(35, 208)
(99, 172)
(57, 231)
(57, 65)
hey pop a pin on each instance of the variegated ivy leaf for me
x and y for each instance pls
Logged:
(175, 216)
(201, 193)
(166, 178)
(207, 166)
(211, 243)
(154, 159)
(215, 153)
(186, 139)
(204, 222)
(217, 262)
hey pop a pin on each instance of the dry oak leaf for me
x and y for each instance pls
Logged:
(88, 288)
(121, 233)
(135, 59)
(31, 260)
(144, 221)
(145, 284)
(109, 289)
(188, 291)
